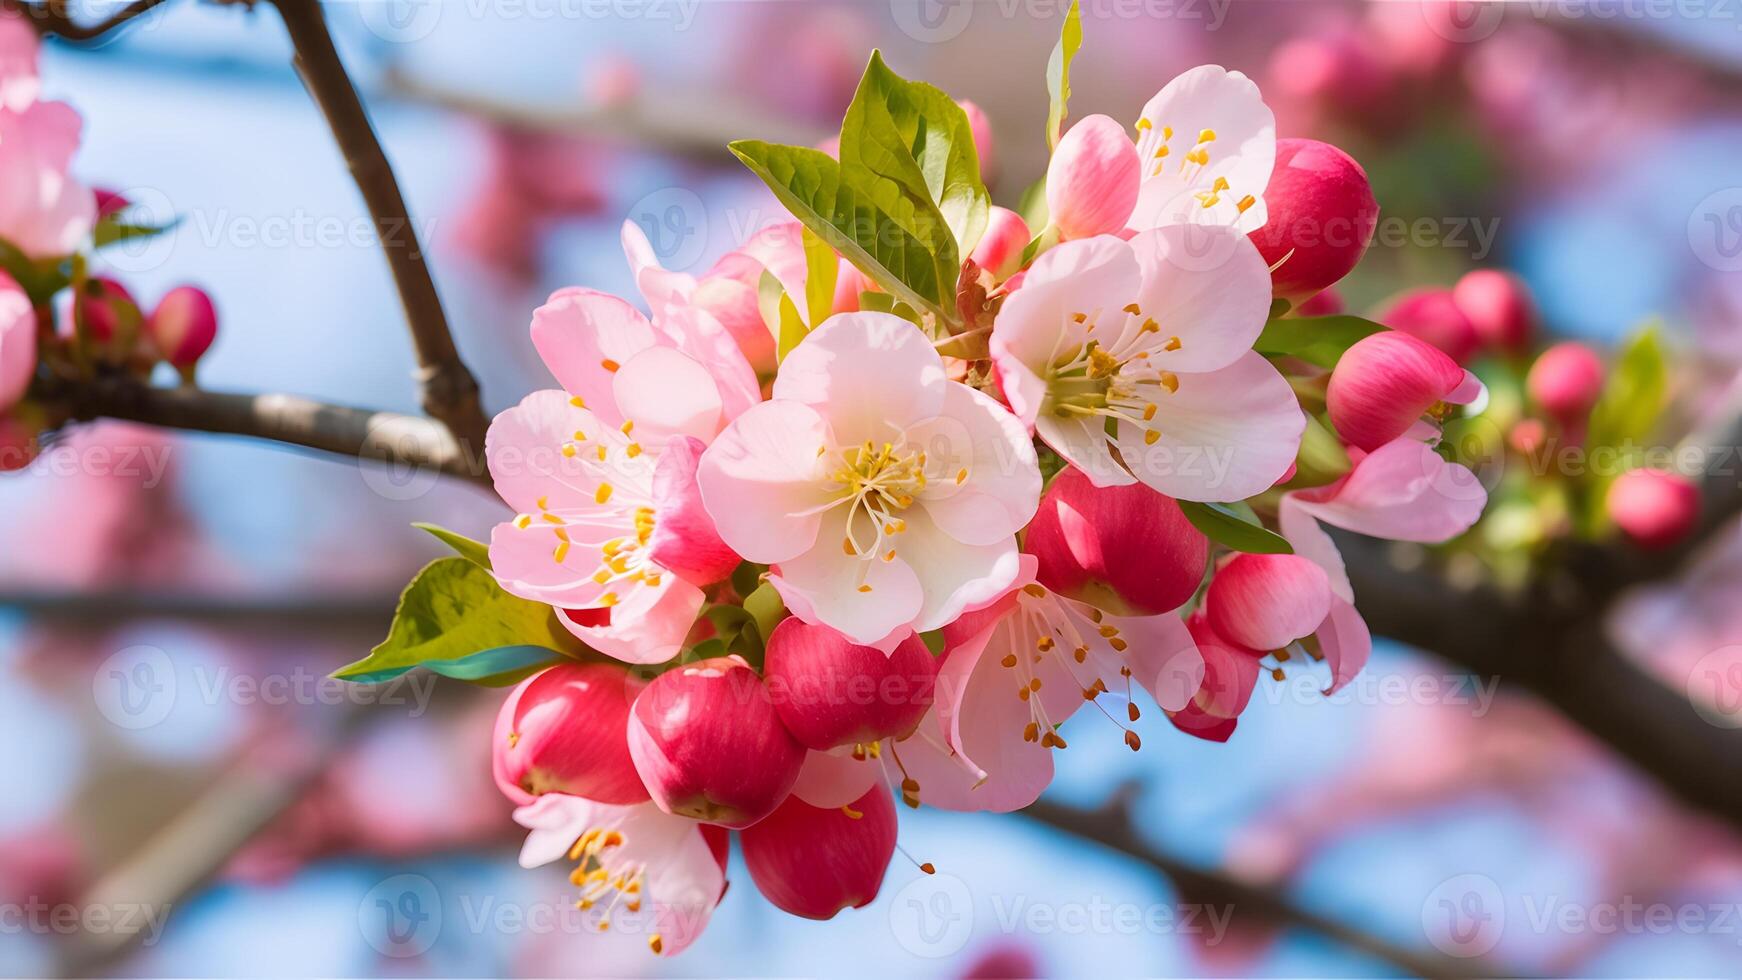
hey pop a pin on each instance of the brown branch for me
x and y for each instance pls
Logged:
(51, 18)
(450, 393)
(1111, 826)
(387, 437)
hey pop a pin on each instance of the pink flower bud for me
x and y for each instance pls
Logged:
(684, 539)
(1000, 249)
(982, 130)
(1266, 602)
(1127, 549)
(1565, 382)
(709, 745)
(183, 325)
(1230, 675)
(1433, 316)
(1498, 306)
(17, 342)
(105, 315)
(1091, 183)
(1384, 383)
(1321, 217)
(830, 691)
(563, 731)
(813, 862)
(735, 304)
(1655, 508)
(1327, 302)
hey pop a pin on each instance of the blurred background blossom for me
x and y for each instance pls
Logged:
(169, 604)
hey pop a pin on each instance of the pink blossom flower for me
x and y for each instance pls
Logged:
(1146, 347)
(709, 745)
(1384, 384)
(886, 496)
(1230, 676)
(1207, 143)
(19, 82)
(1263, 604)
(17, 342)
(1403, 491)
(815, 861)
(1000, 248)
(183, 325)
(44, 212)
(1017, 669)
(666, 872)
(1431, 315)
(602, 473)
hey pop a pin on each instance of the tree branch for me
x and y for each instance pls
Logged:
(1111, 827)
(450, 393)
(387, 437)
(52, 18)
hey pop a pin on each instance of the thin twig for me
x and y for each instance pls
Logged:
(386, 437)
(450, 393)
(52, 18)
(1111, 827)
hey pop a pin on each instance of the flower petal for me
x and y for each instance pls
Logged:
(871, 375)
(649, 623)
(762, 481)
(834, 778)
(583, 336)
(1345, 641)
(865, 599)
(953, 576)
(1094, 274)
(666, 393)
(659, 287)
(1223, 435)
(983, 480)
(1206, 286)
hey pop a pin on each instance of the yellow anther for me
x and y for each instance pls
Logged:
(603, 493)
(851, 813)
(610, 365)
(655, 943)
(1149, 412)
(628, 426)
(608, 600)
(1170, 381)
(1133, 309)
(961, 476)
(1150, 437)
(523, 522)
(569, 450)
(633, 450)
(561, 552)
(847, 546)
(1144, 125)
(865, 588)
(1246, 203)
(1009, 660)
(1207, 136)
(1172, 344)
(577, 401)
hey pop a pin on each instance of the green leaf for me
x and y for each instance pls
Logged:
(40, 278)
(1058, 72)
(792, 328)
(476, 552)
(917, 136)
(489, 668)
(1635, 394)
(898, 240)
(1320, 340)
(1032, 205)
(821, 269)
(112, 230)
(452, 610)
(765, 606)
(1236, 526)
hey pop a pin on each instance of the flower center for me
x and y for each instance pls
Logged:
(1044, 626)
(876, 484)
(1113, 375)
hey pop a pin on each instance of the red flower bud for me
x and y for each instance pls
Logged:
(183, 326)
(1321, 217)
(1127, 549)
(1092, 181)
(1433, 316)
(709, 745)
(1000, 249)
(1385, 383)
(1266, 602)
(1565, 382)
(105, 316)
(829, 691)
(1655, 508)
(564, 730)
(1498, 306)
(813, 862)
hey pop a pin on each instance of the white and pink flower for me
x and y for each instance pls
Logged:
(1134, 361)
(44, 212)
(886, 496)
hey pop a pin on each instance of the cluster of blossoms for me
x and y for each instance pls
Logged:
(56, 319)
(954, 554)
